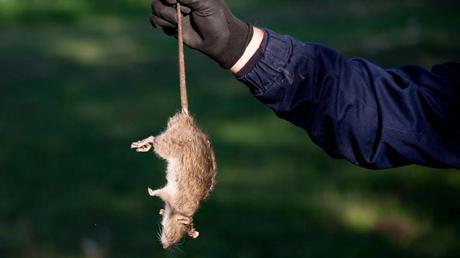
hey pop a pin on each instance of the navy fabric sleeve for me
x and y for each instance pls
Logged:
(353, 109)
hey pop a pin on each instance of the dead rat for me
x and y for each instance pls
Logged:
(190, 174)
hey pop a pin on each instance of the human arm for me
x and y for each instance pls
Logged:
(353, 109)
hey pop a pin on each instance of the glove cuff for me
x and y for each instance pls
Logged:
(240, 35)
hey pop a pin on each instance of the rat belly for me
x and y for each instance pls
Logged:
(172, 177)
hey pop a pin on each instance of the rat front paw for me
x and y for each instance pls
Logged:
(184, 220)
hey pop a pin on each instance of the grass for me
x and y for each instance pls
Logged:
(81, 80)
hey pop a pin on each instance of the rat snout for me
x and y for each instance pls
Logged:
(165, 245)
(164, 242)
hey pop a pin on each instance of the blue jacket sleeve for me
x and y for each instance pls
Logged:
(353, 109)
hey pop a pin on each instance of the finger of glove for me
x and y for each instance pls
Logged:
(160, 23)
(163, 11)
(193, 4)
(191, 36)
(183, 9)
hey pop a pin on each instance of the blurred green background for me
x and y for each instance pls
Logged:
(80, 80)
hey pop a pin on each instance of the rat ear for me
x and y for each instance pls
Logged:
(193, 233)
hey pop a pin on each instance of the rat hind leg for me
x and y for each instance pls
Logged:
(143, 145)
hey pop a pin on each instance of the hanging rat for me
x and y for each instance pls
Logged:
(190, 174)
(191, 165)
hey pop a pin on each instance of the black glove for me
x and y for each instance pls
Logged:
(208, 26)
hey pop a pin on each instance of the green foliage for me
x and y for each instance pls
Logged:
(81, 80)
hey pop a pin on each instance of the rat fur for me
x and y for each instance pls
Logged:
(190, 174)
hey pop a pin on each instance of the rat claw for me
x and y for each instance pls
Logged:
(162, 212)
(136, 145)
(151, 192)
(144, 148)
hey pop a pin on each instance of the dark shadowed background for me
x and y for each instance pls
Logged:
(80, 80)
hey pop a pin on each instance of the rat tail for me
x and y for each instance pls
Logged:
(180, 40)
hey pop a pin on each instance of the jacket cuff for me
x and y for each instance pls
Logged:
(265, 67)
(254, 59)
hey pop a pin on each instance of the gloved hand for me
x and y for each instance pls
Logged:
(208, 26)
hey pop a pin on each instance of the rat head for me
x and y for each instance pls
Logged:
(175, 226)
